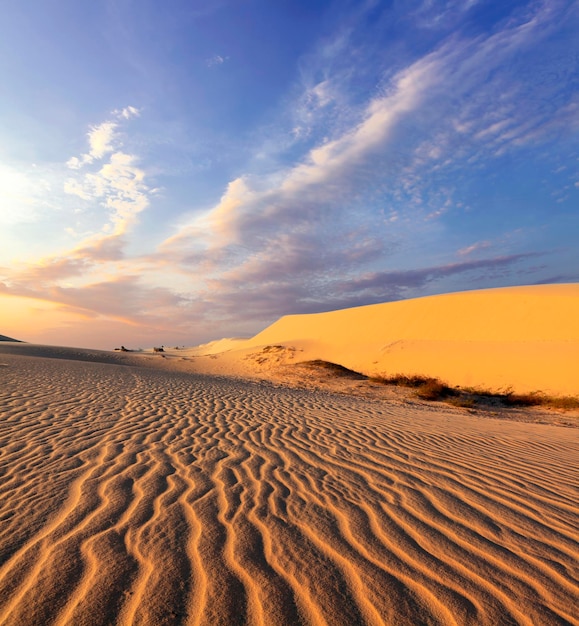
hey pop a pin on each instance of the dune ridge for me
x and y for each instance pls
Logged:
(521, 338)
(143, 496)
(526, 338)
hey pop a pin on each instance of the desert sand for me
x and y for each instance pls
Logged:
(522, 338)
(176, 488)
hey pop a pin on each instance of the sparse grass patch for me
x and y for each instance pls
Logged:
(403, 380)
(524, 399)
(566, 403)
(429, 388)
(434, 390)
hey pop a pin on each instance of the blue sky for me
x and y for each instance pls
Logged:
(183, 171)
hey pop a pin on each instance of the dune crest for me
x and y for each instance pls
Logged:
(524, 338)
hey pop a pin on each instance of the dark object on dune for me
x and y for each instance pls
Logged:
(333, 369)
(4, 338)
(161, 349)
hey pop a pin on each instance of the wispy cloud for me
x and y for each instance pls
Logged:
(118, 185)
(128, 112)
(215, 60)
(376, 152)
(475, 247)
(276, 241)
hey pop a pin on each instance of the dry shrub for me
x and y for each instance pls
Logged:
(403, 380)
(434, 390)
(524, 399)
(567, 403)
(427, 388)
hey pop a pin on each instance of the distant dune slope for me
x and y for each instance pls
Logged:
(4, 338)
(523, 337)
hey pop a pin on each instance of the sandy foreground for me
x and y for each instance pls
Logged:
(134, 493)
(232, 483)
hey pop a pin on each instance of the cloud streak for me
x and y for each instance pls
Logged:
(295, 216)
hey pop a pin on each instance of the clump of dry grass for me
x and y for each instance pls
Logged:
(434, 390)
(540, 399)
(403, 380)
(429, 388)
(566, 403)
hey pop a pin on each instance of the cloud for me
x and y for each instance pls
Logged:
(128, 112)
(380, 176)
(215, 60)
(125, 298)
(101, 139)
(110, 191)
(118, 185)
(251, 204)
(475, 247)
(374, 153)
(393, 285)
(261, 299)
(433, 14)
(418, 92)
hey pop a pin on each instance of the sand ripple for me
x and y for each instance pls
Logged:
(134, 496)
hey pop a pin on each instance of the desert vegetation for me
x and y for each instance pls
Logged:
(429, 388)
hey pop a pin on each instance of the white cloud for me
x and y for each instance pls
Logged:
(129, 112)
(426, 117)
(334, 161)
(215, 60)
(101, 139)
(118, 185)
(75, 188)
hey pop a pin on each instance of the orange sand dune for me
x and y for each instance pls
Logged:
(526, 338)
(132, 495)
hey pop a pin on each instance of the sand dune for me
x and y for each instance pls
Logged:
(141, 496)
(523, 338)
(4, 338)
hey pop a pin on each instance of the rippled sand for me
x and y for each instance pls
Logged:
(141, 496)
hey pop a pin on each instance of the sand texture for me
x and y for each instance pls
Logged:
(134, 495)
